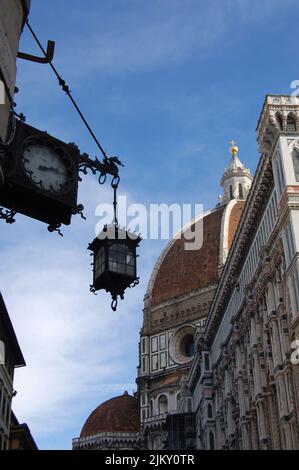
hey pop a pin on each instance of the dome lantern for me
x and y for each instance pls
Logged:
(236, 180)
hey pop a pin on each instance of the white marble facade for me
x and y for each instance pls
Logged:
(245, 386)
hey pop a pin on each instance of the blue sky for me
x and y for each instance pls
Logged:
(166, 85)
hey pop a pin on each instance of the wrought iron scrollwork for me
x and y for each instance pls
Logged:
(135, 283)
(92, 289)
(109, 166)
(7, 215)
(79, 210)
(114, 304)
(55, 228)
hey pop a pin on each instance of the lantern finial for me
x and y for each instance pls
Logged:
(233, 148)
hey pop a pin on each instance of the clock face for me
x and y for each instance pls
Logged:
(45, 168)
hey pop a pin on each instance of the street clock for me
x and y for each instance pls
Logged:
(40, 176)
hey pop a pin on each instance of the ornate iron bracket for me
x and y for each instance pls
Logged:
(40, 60)
(135, 283)
(55, 228)
(92, 289)
(114, 301)
(114, 304)
(7, 215)
(79, 210)
(109, 166)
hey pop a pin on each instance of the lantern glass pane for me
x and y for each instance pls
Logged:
(99, 262)
(121, 259)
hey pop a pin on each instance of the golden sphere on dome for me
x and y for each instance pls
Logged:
(234, 149)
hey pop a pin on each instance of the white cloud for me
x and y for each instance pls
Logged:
(78, 351)
(148, 35)
(144, 42)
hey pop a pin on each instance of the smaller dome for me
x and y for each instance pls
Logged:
(119, 414)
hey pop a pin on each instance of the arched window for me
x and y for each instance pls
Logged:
(2, 101)
(152, 408)
(157, 442)
(211, 441)
(210, 411)
(271, 297)
(279, 120)
(178, 400)
(163, 404)
(187, 345)
(240, 191)
(291, 122)
(231, 195)
(296, 163)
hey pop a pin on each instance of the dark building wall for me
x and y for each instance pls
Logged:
(180, 431)
(13, 14)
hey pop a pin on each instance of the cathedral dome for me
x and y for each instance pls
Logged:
(182, 271)
(117, 415)
(179, 271)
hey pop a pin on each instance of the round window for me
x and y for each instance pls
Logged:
(187, 345)
(181, 347)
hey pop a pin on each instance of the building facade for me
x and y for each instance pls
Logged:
(12, 19)
(10, 357)
(244, 378)
(20, 437)
(219, 344)
(176, 306)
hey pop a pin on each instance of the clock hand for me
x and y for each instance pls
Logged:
(45, 168)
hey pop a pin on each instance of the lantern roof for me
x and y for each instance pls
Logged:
(112, 231)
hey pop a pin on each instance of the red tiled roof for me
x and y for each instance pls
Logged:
(183, 271)
(119, 414)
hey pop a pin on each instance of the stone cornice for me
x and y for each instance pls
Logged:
(273, 120)
(194, 372)
(178, 300)
(155, 378)
(289, 200)
(115, 438)
(253, 210)
(274, 103)
(188, 308)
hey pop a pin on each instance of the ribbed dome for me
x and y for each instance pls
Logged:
(183, 271)
(119, 414)
(179, 271)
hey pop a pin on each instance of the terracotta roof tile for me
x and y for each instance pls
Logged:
(234, 220)
(183, 271)
(119, 414)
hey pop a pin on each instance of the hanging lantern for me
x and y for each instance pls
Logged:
(114, 259)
